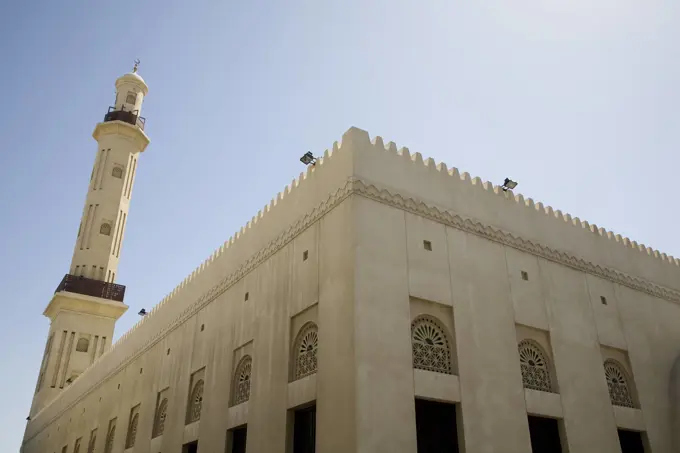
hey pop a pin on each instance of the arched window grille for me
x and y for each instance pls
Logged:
(305, 349)
(535, 366)
(132, 432)
(117, 172)
(105, 229)
(241, 382)
(131, 97)
(430, 344)
(110, 437)
(617, 381)
(195, 403)
(83, 345)
(159, 420)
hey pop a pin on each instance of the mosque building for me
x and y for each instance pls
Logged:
(380, 303)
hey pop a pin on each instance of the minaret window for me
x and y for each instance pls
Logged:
(83, 345)
(117, 172)
(131, 98)
(105, 229)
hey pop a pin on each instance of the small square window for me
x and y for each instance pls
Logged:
(305, 255)
(202, 327)
(525, 275)
(140, 370)
(603, 300)
(168, 353)
(427, 245)
(246, 298)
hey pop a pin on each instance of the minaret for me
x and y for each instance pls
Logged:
(87, 302)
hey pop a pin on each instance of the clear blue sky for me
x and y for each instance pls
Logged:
(577, 100)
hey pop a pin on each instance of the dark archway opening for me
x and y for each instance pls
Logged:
(304, 430)
(236, 439)
(545, 435)
(631, 441)
(191, 447)
(436, 428)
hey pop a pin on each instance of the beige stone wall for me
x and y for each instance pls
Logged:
(362, 215)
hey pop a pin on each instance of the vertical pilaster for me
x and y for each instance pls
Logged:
(336, 382)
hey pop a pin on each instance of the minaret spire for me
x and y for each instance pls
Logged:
(87, 302)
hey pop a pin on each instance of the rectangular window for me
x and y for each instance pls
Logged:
(304, 430)
(191, 447)
(436, 428)
(236, 439)
(545, 435)
(131, 97)
(632, 441)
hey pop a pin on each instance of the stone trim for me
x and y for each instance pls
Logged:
(493, 234)
(354, 186)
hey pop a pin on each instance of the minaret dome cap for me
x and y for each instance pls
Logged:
(134, 78)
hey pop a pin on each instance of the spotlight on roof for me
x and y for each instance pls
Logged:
(308, 158)
(28, 419)
(142, 312)
(508, 184)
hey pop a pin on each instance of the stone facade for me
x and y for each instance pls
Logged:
(377, 278)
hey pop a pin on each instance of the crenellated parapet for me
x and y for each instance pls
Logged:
(449, 189)
(393, 176)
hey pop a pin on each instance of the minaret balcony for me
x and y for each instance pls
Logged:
(130, 117)
(91, 287)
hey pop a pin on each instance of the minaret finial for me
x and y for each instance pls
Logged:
(136, 65)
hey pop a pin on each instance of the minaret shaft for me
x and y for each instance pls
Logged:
(87, 302)
(102, 226)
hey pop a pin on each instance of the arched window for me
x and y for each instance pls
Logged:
(159, 420)
(305, 350)
(76, 448)
(535, 366)
(132, 432)
(240, 389)
(430, 343)
(617, 381)
(82, 345)
(108, 448)
(131, 97)
(105, 229)
(195, 403)
(117, 172)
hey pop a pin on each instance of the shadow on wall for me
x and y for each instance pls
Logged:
(674, 394)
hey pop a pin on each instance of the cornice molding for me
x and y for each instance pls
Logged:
(355, 186)
(475, 227)
(134, 133)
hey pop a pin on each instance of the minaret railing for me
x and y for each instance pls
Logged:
(91, 287)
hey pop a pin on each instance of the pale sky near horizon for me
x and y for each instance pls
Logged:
(577, 100)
